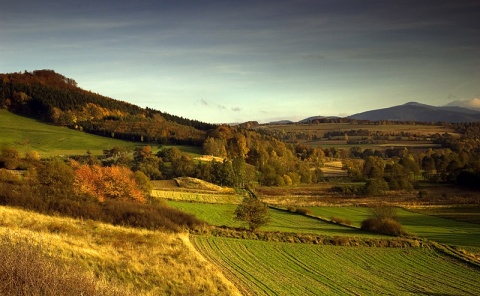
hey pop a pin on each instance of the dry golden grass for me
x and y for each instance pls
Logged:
(138, 261)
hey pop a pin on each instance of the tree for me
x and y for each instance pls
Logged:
(252, 211)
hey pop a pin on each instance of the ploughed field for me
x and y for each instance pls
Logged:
(272, 268)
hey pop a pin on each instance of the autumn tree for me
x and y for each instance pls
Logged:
(115, 182)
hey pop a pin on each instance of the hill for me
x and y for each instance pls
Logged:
(53, 98)
(26, 134)
(419, 113)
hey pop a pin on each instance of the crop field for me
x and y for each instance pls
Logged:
(268, 268)
(282, 221)
(322, 128)
(27, 134)
(197, 197)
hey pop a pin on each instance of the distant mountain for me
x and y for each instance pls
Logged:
(413, 111)
(281, 122)
(317, 118)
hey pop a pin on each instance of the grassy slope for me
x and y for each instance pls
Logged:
(303, 269)
(145, 262)
(28, 134)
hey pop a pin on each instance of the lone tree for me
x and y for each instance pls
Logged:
(253, 211)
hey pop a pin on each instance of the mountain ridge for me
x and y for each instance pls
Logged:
(413, 111)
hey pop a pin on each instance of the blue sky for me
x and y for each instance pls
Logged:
(234, 61)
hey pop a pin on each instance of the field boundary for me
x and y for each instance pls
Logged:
(305, 238)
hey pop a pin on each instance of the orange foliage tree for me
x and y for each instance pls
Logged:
(116, 182)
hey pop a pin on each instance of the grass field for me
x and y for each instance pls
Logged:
(27, 134)
(439, 229)
(281, 221)
(140, 261)
(268, 268)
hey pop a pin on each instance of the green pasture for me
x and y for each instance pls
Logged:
(281, 221)
(439, 229)
(27, 134)
(270, 268)
(434, 228)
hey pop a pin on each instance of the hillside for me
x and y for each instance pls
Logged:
(25, 134)
(53, 98)
(420, 113)
(124, 261)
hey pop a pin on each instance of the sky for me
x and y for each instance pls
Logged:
(236, 61)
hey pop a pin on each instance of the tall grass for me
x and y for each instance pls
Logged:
(138, 261)
(27, 270)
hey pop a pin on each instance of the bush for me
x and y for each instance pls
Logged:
(303, 211)
(384, 226)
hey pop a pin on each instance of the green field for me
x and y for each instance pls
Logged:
(268, 268)
(27, 134)
(281, 221)
(442, 230)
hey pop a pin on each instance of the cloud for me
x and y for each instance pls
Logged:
(471, 104)
(236, 109)
(203, 102)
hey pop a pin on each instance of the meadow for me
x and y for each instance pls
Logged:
(442, 230)
(25, 134)
(135, 261)
(269, 268)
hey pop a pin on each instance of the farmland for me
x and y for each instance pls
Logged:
(439, 229)
(300, 269)
(393, 134)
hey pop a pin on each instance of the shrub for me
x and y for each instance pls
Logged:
(384, 226)
(303, 211)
